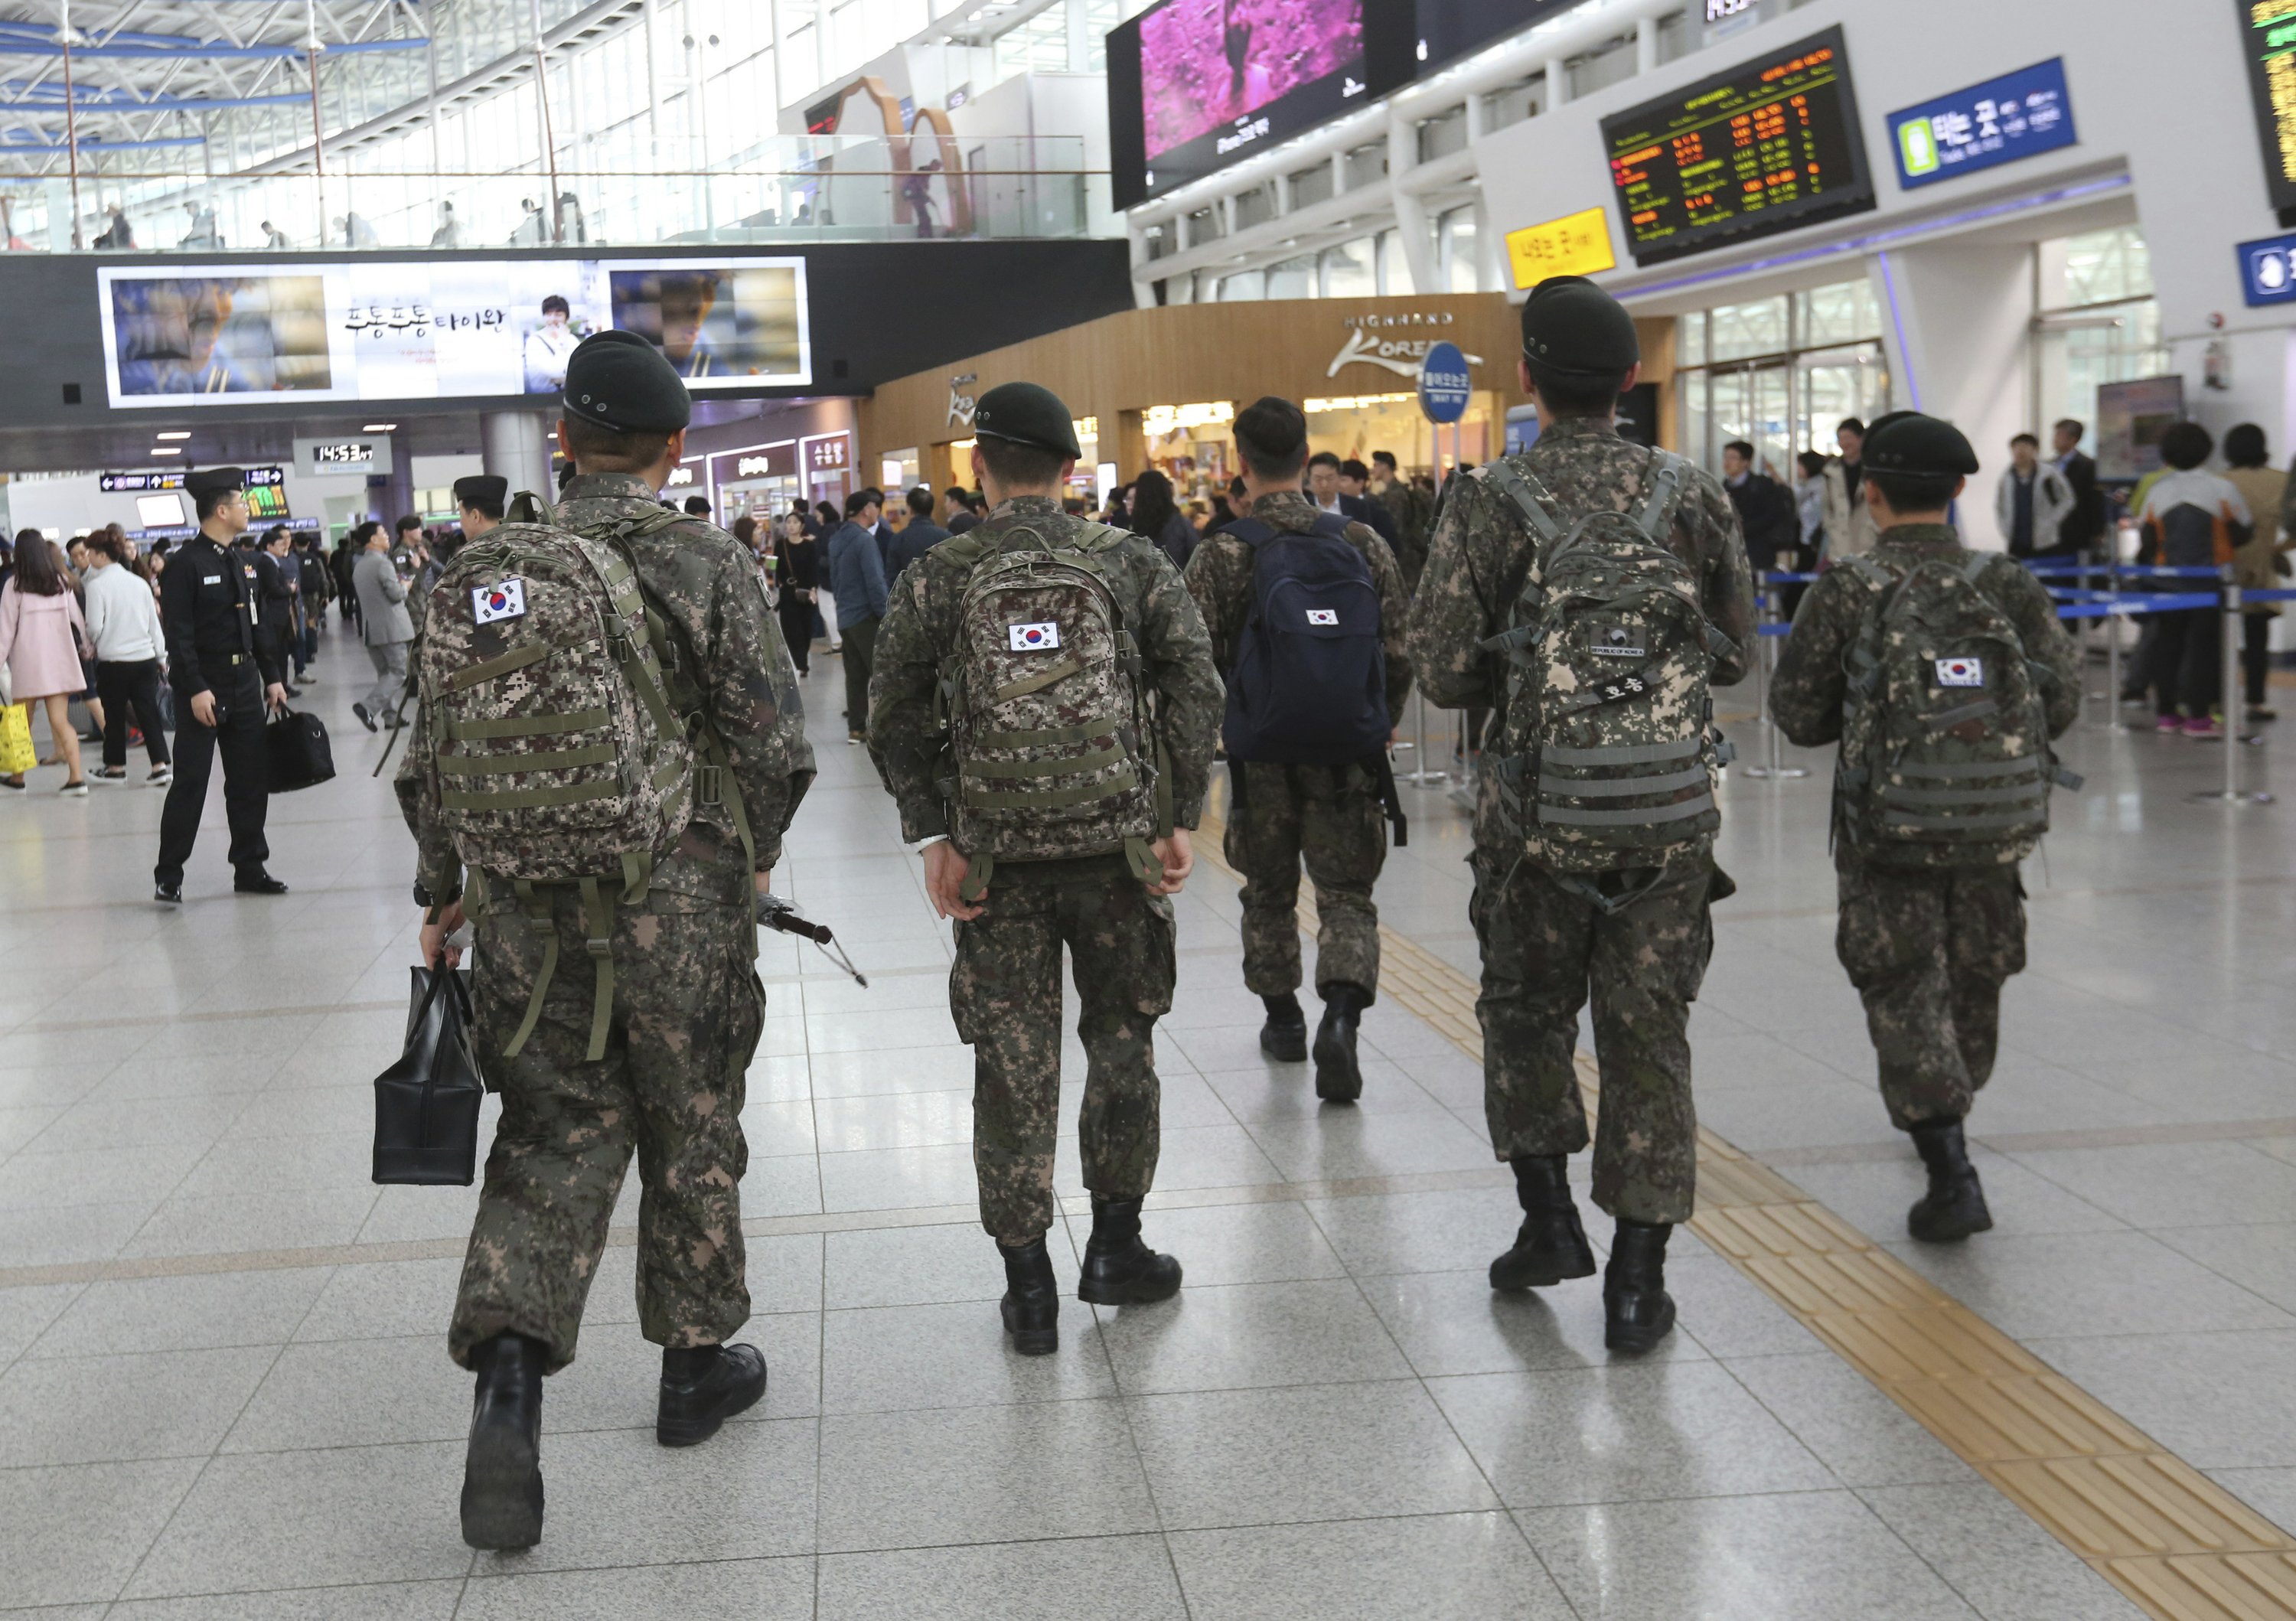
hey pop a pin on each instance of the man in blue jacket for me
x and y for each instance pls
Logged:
(856, 579)
(921, 536)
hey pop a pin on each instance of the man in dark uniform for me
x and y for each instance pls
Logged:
(1327, 817)
(1549, 942)
(1928, 933)
(274, 599)
(226, 678)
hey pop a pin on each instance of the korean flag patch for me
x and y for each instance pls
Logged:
(1034, 638)
(503, 601)
(1961, 672)
(1323, 616)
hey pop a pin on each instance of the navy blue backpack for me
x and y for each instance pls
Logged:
(1310, 686)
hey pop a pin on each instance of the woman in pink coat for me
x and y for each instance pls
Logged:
(40, 632)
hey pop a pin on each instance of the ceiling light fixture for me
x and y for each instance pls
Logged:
(380, 427)
(164, 437)
(167, 450)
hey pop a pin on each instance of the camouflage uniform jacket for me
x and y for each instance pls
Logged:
(1219, 576)
(1483, 547)
(1411, 507)
(906, 736)
(725, 641)
(1806, 694)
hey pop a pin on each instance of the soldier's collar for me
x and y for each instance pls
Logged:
(607, 486)
(1579, 426)
(1919, 535)
(1283, 497)
(1030, 504)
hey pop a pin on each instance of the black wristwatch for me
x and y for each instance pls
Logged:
(424, 899)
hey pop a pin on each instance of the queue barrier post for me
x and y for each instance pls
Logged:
(2229, 683)
(2113, 618)
(1425, 775)
(1771, 769)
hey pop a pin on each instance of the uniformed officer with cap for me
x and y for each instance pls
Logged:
(226, 677)
(1115, 919)
(1546, 943)
(480, 497)
(687, 1008)
(1928, 935)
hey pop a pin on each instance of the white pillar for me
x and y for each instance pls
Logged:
(516, 446)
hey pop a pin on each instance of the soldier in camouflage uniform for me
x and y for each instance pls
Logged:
(1281, 816)
(1545, 944)
(1928, 935)
(1413, 510)
(1115, 918)
(687, 1004)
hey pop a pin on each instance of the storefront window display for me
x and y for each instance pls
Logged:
(1355, 426)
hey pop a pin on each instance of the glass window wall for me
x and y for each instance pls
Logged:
(1779, 372)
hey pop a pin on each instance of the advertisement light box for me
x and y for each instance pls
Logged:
(440, 330)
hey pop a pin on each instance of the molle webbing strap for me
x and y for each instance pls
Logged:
(517, 658)
(2034, 793)
(1944, 772)
(1067, 665)
(1028, 798)
(1622, 754)
(1679, 812)
(524, 725)
(509, 764)
(1141, 856)
(1032, 737)
(1945, 720)
(1525, 493)
(1617, 788)
(537, 906)
(598, 928)
(1055, 766)
(2007, 822)
(528, 799)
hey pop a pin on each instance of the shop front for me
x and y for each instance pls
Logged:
(759, 466)
(1159, 387)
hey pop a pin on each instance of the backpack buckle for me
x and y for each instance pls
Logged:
(709, 784)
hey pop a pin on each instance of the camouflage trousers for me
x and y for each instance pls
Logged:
(1545, 948)
(1928, 949)
(1325, 818)
(687, 1012)
(1005, 992)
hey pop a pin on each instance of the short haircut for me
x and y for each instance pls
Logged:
(1384, 457)
(2186, 446)
(486, 507)
(1851, 424)
(1021, 466)
(208, 502)
(1353, 469)
(2024, 438)
(1271, 435)
(552, 301)
(1573, 396)
(1326, 458)
(1812, 462)
(611, 450)
(1744, 450)
(697, 506)
(861, 500)
(2243, 447)
(1913, 492)
(278, 531)
(407, 520)
(921, 502)
(2072, 425)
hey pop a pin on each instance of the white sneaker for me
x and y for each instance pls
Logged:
(160, 776)
(73, 790)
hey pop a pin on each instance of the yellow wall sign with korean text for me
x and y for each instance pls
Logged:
(1577, 244)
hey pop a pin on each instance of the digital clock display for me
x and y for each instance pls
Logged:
(1763, 148)
(347, 451)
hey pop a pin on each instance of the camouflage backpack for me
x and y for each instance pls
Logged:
(1044, 701)
(1608, 756)
(1945, 739)
(555, 713)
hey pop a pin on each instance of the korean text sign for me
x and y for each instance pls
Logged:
(2019, 115)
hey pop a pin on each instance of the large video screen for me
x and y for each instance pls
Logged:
(2268, 40)
(1196, 85)
(439, 329)
(1765, 147)
(1449, 30)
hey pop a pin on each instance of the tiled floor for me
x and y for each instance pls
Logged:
(224, 1393)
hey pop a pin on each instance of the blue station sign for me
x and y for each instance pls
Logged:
(2019, 115)
(2267, 271)
(1444, 383)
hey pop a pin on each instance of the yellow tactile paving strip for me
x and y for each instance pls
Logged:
(2177, 1543)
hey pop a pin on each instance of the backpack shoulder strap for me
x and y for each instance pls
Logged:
(1977, 564)
(1332, 526)
(1529, 495)
(1248, 530)
(527, 507)
(1670, 477)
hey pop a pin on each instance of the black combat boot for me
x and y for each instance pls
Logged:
(1637, 1311)
(1032, 1298)
(1285, 1036)
(702, 1387)
(1118, 1269)
(1954, 1206)
(1552, 1245)
(501, 1477)
(1338, 1080)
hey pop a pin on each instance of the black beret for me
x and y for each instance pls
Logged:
(1026, 414)
(1907, 442)
(482, 490)
(618, 382)
(1572, 328)
(214, 481)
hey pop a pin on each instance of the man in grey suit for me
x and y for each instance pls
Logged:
(385, 625)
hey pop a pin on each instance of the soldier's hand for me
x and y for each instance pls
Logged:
(435, 932)
(275, 695)
(945, 870)
(1179, 859)
(203, 708)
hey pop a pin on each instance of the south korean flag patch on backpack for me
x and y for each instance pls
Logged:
(1961, 672)
(1035, 638)
(505, 600)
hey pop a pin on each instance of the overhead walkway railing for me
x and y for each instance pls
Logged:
(791, 190)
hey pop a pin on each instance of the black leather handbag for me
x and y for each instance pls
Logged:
(426, 1105)
(298, 753)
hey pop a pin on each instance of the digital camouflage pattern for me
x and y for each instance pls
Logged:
(1047, 704)
(686, 1008)
(1327, 818)
(1928, 951)
(1604, 755)
(1004, 990)
(557, 748)
(1005, 994)
(688, 1013)
(2014, 625)
(1483, 549)
(1928, 945)
(1546, 946)
(920, 630)
(1543, 947)
(1413, 510)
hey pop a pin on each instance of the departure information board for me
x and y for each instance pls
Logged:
(1762, 148)
(2268, 30)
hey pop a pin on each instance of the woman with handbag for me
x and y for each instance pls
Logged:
(798, 564)
(123, 624)
(40, 632)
